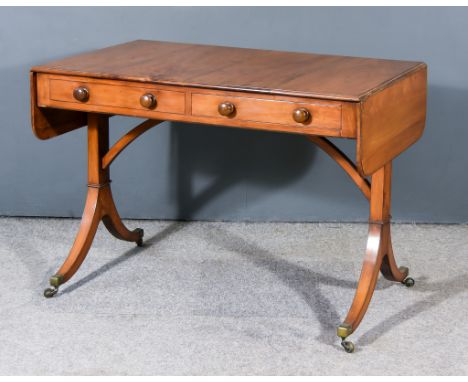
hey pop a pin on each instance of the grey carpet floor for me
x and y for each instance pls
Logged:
(229, 298)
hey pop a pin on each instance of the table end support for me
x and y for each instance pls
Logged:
(379, 256)
(99, 206)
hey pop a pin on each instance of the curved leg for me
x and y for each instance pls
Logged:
(99, 205)
(366, 285)
(114, 223)
(379, 255)
(389, 268)
(88, 227)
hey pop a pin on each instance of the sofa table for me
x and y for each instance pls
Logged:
(380, 104)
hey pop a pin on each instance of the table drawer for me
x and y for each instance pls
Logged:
(89, 94)
(187, 104)
(276, 111)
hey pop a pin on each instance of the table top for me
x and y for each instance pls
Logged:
(237, 69)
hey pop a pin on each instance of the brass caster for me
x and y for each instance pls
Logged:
(50, 292)
(55, 281)
(348, 346)
(409, 282)
(139, 242)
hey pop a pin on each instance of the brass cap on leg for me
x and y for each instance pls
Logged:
(344, 330)
(404, 270)
(56, 280)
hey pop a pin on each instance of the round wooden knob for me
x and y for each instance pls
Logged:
(301, 115)
(226, 109)
(81, 94)
(148, 100)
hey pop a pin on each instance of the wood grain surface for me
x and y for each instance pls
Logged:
(391, 121)
(227, 68)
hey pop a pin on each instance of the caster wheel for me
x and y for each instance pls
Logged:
(348, 346)
(139, 242)
(409, 282)
(50, 292)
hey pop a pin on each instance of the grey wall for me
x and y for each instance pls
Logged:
(201, 172)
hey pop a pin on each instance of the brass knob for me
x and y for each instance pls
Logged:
(226, 109)
(148, 100)
(81, 94)
(301, 115)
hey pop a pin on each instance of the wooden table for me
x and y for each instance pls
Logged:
(380, 104)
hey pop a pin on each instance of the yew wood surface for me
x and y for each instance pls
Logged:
(228, 68)
(391, 121)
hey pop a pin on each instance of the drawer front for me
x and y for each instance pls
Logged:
(275, 111)
(119, 95)
(188, 104)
